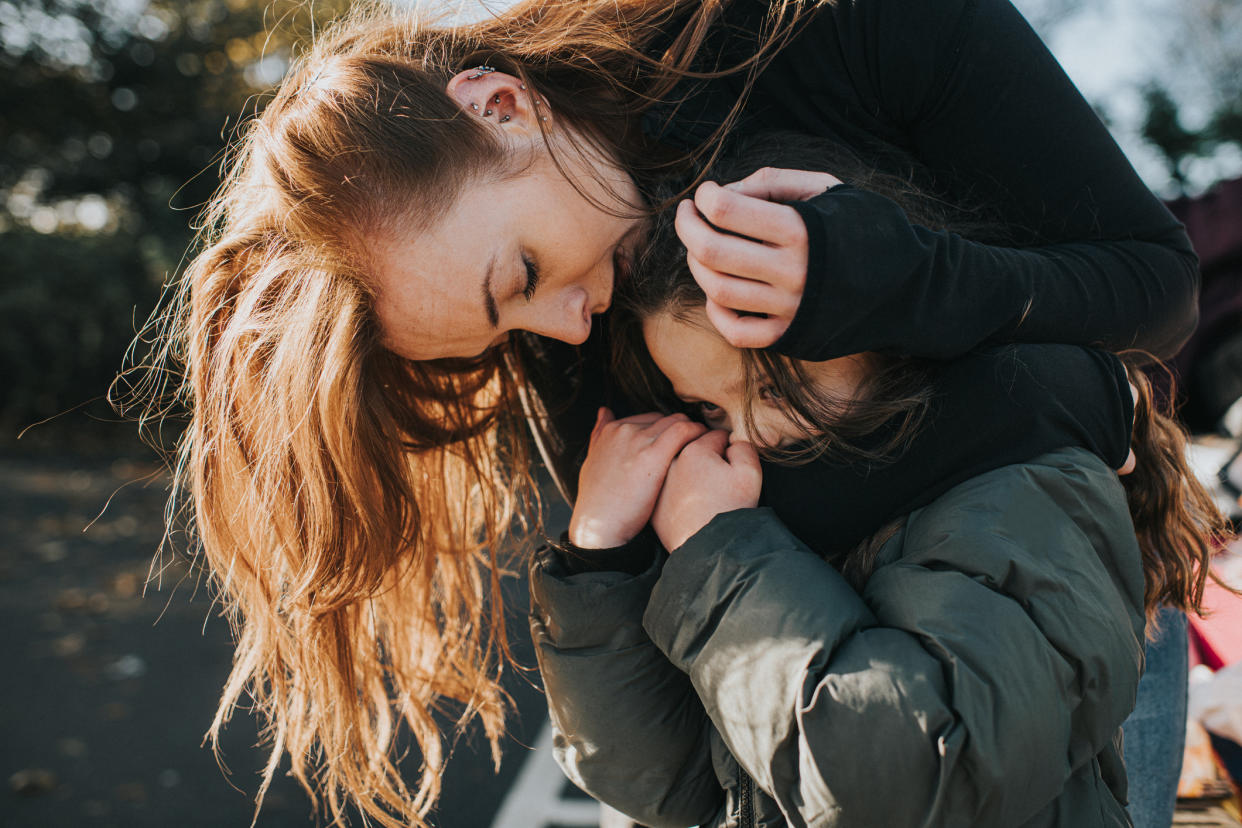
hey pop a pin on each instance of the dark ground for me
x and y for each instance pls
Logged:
(107, 692)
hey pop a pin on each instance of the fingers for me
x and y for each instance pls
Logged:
(774, 184)
(1130, 464)
(743, 456)
(745, 331)
(715, 442)
(605, 418)
(742, 294)
(602, 418)
(734, 254)
(676, 435)
(748, 214)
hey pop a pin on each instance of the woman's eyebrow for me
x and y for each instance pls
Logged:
(489, 297)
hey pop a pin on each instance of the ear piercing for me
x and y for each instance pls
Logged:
(486, 112)
(480, 71)
(475, 107)
(504, 118)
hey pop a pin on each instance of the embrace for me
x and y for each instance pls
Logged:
(826, 316)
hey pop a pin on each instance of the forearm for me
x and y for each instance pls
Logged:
(630, 729)
(878, 282)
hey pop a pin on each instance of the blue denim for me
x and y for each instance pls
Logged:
(1155, 733)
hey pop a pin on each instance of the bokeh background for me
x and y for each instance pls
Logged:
(113, 118)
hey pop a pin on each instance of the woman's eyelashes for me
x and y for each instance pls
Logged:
(532, 277)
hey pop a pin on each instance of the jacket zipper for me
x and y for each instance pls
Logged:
(746, 804)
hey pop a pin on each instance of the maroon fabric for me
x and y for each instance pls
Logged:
(1214, 223)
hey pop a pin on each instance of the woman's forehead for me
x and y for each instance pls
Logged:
(432, 283)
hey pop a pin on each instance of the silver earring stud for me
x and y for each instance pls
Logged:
(486, 112)
(504, 118)
(480, 71)
(522, 86)
(475, 107)
(496, 99)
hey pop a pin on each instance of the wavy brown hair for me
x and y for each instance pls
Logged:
(1178, 524)
(351, 507)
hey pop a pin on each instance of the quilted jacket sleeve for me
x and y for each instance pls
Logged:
(629, 727)
(993, 653)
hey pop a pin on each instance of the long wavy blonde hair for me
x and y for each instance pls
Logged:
(352, 506)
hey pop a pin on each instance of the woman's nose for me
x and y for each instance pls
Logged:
(567, 320)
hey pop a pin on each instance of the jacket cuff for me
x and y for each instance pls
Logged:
(633, 558)
(589, 609)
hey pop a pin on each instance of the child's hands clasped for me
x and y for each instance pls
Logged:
(709, 477)
(749, 251)
(623, 473)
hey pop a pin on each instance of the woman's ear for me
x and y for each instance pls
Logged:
(498, 98)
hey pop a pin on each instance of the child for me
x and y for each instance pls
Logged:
(981, 650)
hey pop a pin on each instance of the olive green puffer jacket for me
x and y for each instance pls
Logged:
(979, 679)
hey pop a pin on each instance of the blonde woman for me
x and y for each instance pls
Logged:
(415, 194)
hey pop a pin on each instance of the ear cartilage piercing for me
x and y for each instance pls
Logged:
(522, 86)
(486, 112)
(480, 71)
(504, 118)
(475, 107)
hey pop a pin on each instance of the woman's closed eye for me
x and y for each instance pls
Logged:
(532, 277)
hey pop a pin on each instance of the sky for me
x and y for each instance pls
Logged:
(1110, 49)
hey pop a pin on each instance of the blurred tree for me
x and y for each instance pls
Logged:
(1197, 112)
(112, 115)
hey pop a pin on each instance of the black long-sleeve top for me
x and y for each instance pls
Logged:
(966, 90)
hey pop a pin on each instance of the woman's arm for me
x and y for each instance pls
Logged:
(878, 282)
(987, 665)
(992, 408)
(968, 91)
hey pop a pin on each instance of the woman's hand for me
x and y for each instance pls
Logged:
(623, 473)
(1131, 463)
(749, 252)
(709, 477)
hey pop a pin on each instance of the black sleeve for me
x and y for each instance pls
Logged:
(968, 90)
(633, 558)
(993, 408)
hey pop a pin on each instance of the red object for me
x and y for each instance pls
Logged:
(1216, 638)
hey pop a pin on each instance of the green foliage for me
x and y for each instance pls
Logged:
(134, 104)
(1163, 128)
(66, 315)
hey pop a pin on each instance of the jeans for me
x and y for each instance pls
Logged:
(1155, 733)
